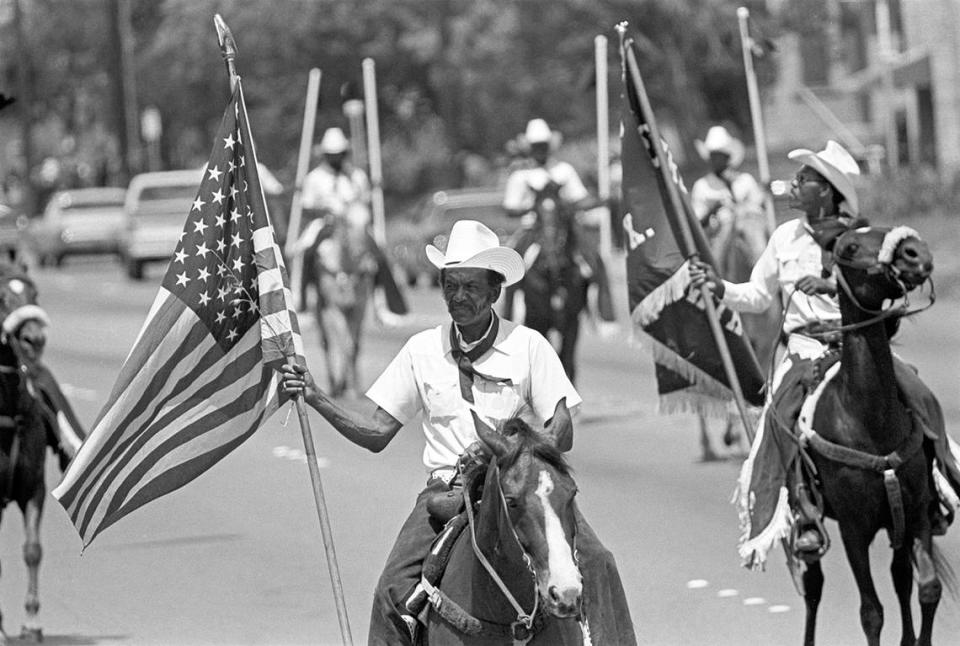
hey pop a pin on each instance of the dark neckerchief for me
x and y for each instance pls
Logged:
(465, 359)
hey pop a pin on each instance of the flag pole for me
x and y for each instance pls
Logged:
(756, 114)
(373, 150)
(303, 165)
(229, 49)
(603, 142)
(689, 247)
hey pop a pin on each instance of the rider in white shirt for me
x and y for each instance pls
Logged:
(338, 189)
(727, 200)
(520, 194)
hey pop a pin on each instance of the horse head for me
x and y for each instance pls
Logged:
(23, 322)
(538, 490)
(879, 263)
(555, 219)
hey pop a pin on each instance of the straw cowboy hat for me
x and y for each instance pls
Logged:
(538, 132)
(719, 140)
(838, 167)
(334, 142)
(474, 246)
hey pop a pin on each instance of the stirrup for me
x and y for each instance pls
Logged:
(799, 527)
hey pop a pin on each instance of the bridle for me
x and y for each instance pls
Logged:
(883, 264)
(523, 629)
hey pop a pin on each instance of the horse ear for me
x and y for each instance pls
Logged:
(559, 430)
(498, 444)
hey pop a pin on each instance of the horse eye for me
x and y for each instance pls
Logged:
(512, 502)
(850, 250)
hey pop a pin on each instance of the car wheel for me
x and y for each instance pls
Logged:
(135, 269)
(57, 260)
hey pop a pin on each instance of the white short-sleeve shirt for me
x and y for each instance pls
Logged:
(424, 379)
(518, 193)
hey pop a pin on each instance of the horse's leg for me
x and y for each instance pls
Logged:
(929, 587)
(901, 570)
(32, 553)
(857, 546)
(706, 448)
(812, 593)
(568, 344)
(3, 634)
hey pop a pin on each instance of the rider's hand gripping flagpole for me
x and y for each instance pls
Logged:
(756, 113)
(688, 247)
(229, 49)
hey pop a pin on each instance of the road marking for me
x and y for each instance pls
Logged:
(297, 455)
(696, 584)
(76, 392)
(754, 601)
(778, 608)
(727, 592)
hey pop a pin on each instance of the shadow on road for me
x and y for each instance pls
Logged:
(177, 540)
(75, 640)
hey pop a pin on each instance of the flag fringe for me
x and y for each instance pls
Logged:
(670, 291)
(753, 551)
(706, 384)
(689, 401)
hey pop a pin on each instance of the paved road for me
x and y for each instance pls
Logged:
(235, 557)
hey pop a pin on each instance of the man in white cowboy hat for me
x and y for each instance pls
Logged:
(728, 200)
(338, 190)
(796, 267)
(442, 374)
(519, 198)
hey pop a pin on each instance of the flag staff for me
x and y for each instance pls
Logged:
(373, 149)
(603, 142)
(689, 247)
(756, 114)
(294, 257)
(229, 49)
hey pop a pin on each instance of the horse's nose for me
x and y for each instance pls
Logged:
(565, 600)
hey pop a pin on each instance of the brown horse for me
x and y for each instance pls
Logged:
(556, 281)
(865, 442)
(736, 251)
(346, 266)
(512, 574)
(23, 436)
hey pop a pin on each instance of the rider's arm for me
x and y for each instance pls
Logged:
(757, 294)
(516, 198)
(373, 431)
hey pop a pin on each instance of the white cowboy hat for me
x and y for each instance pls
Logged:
(472, 245)
(838, 167)
(719, 140)
(334, 142)
(538, 132)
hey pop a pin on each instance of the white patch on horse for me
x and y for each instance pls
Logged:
(563, 570)
(17, 286)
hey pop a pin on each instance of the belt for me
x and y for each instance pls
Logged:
(446, 474)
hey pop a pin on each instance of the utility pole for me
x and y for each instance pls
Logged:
(24, 103)
(127, 95)
(885, 53)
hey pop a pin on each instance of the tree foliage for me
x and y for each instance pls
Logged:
(453, 76)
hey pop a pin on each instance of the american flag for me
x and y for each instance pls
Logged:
(201, 376)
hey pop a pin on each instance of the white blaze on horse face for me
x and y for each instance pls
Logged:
(563, 571)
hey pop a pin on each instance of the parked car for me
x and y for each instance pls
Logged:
(155, 209)
(429, 222)
(80, 221)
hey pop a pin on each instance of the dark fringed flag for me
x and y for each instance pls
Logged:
(689, 368)
(201, 376)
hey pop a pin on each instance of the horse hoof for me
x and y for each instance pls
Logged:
(31, 634)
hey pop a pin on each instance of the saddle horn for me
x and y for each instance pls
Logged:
(498, 444)
(559, 429)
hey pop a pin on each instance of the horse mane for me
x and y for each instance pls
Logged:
(535, 443)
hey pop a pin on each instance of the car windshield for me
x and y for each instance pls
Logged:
(166, 198)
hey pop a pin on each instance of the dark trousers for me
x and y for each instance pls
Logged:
(605, 604)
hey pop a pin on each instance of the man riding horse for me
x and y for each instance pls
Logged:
(796, 266)
(476, 364)
(331, 191)
(519, 198)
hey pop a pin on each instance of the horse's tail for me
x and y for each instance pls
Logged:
(945, 572)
